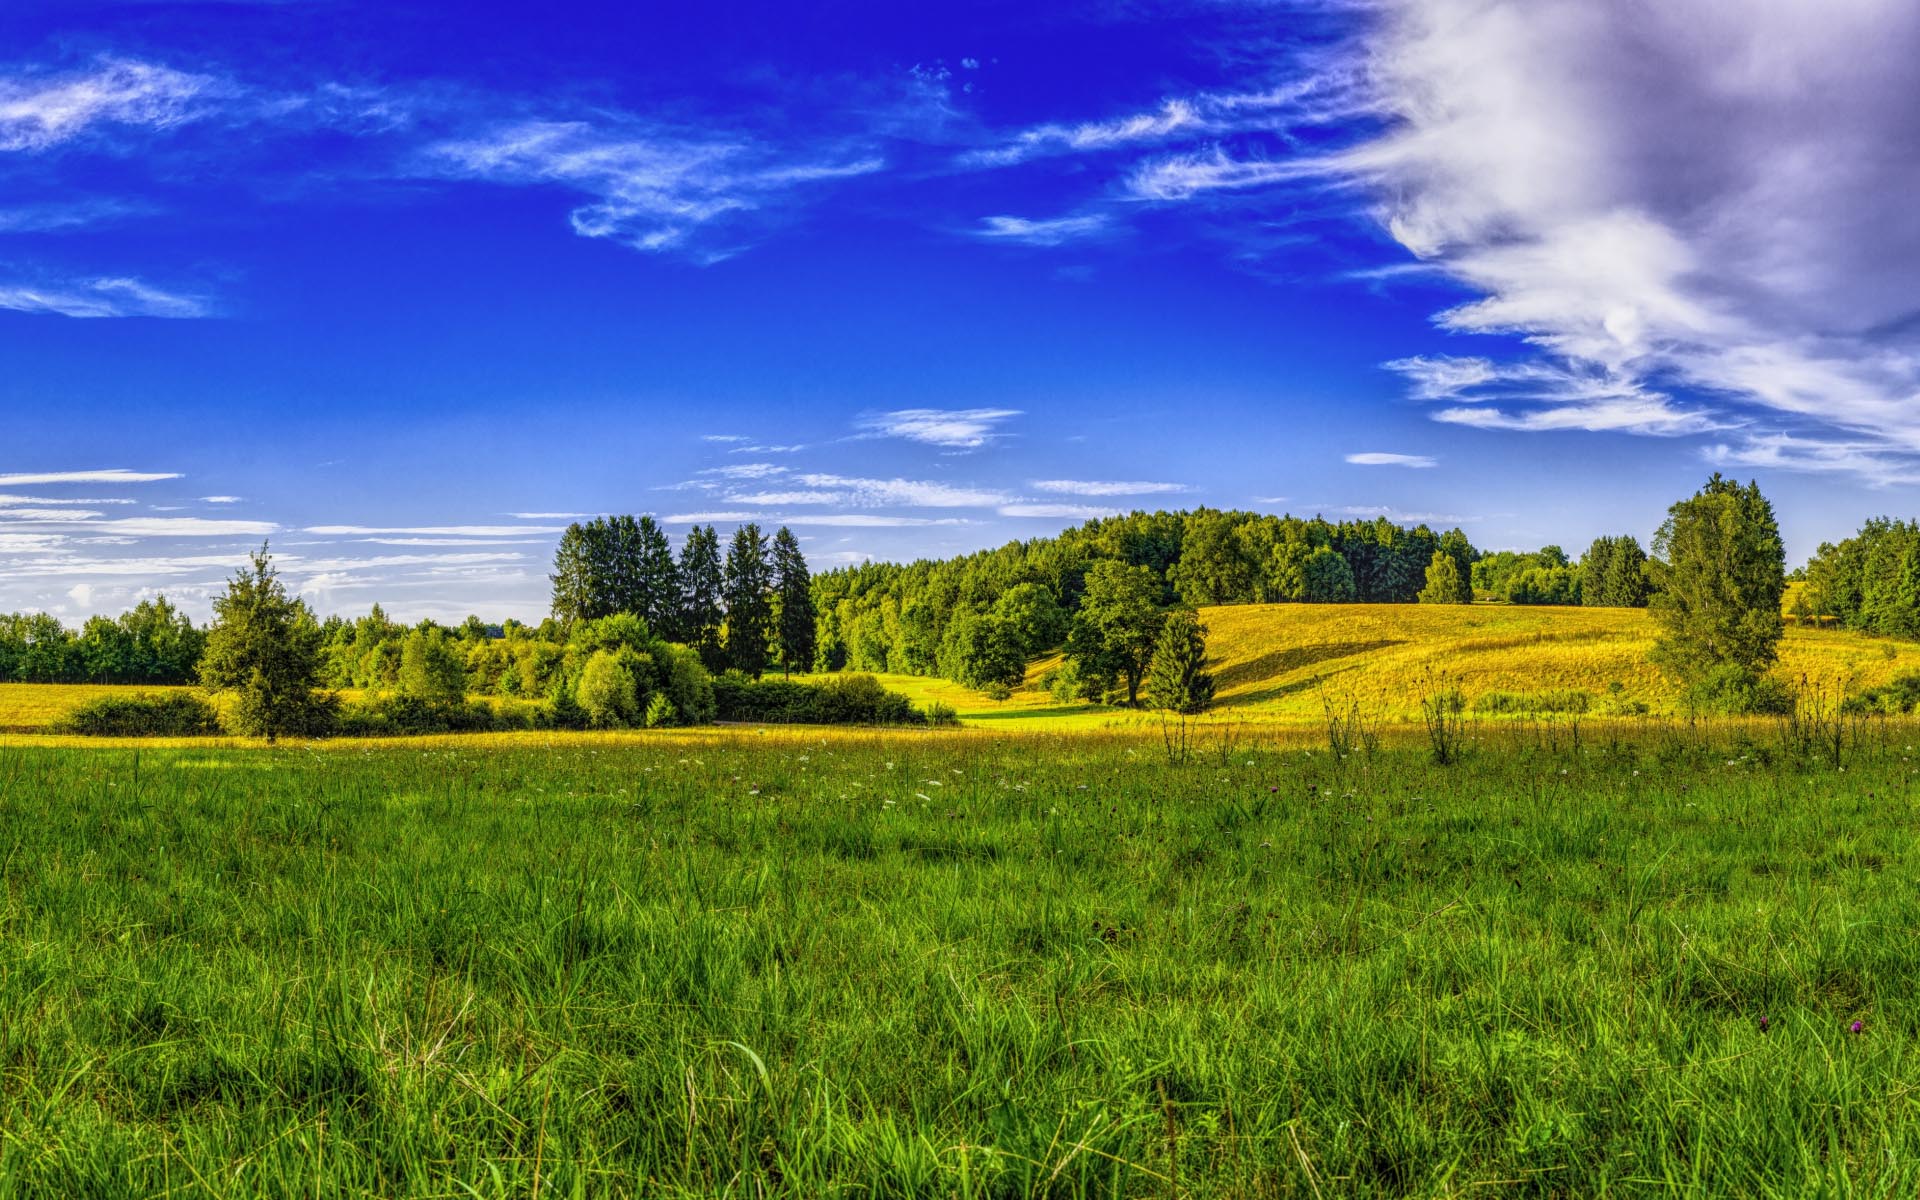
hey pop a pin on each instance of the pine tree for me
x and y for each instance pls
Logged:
(747, 586)
(793, 604)
(576, 573)
(701, 594)
(1178, 684)
(266, 646)
(657, 580)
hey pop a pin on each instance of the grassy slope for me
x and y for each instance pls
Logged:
(939, 965)
(1278, 662)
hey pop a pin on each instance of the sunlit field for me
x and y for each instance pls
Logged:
(953, 963)
(1288, 663)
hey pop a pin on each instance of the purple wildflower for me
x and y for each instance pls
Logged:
(1763, 1022)
(1857, 1027)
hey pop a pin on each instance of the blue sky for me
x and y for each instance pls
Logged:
(404, 291)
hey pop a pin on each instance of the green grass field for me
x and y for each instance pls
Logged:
(957, 963)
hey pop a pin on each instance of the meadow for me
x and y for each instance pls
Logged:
(960, 963)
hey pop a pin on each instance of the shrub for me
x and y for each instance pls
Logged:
(1897, 696)
(997, 690)
(941, 714)
(165, 714)
(839, 700)
(1740, 691)
(687, 685)
(660, 711)
(607, 690)
(400, 714)
(1065, 686)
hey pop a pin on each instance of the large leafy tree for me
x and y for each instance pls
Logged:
(1113, 633)
(1445, 583)
(747, 585)
(265, 646)
(702, 596)
(1722, 575)
(793, 618)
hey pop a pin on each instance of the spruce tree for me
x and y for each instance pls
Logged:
(265, 646)
(701, 594)
(747, 586)
(793, 604)
(657, 580)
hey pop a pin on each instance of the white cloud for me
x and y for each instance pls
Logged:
(905, 493)
(104, 297)
(647, 186)
(1107, 487)
(1045, 232)
(872, 521)
(38, 112)
(432, 530)
(1374, 458)
(81, 594)
(1058, 512)
(783, 498)
(219, 499)
(115, 475)
(550, 516)
(8, 501)
(724, 517)
(755, 470)
(962, 428)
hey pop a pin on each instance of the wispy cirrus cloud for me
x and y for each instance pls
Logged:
(107, 475)
(643, 184)
(40, 110)
(1057, 512)
(1379, 458)
(1107, 487)
(957, 428)
(104, 297)
(903, 493)
(1050, 231)
(430, 530)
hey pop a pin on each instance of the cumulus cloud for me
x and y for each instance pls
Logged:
(40, 111)
(1376, 458)
(960, 428)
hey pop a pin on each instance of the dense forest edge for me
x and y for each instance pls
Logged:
(641, 637)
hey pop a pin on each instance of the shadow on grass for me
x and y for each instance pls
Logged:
(1294, 658)
(1024, 714)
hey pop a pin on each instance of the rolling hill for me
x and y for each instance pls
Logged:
(1284, 662)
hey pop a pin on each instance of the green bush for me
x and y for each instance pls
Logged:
(660, 711)
(399, 714)
(1737, 691)
(145, 714)
(1896, 697)
(608, 691)
(839, 700)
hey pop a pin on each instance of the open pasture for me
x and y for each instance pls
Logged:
(958, 964)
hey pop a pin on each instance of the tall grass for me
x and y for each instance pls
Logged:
(959, 965)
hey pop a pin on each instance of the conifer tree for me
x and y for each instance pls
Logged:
(701, 595)
(747, 586)
(793, 604)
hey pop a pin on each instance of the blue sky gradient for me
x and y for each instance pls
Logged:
(403, 290)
